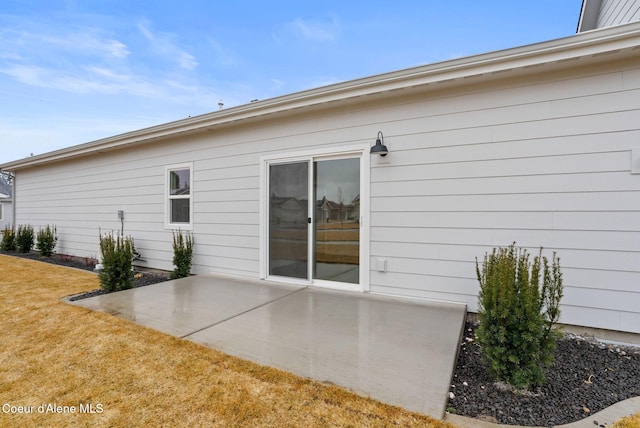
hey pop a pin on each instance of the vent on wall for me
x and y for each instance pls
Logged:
(635, 160)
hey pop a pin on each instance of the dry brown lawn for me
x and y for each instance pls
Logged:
(628, 422)
(336, 253)
(323, 235)
(56, 354)
(334, 224)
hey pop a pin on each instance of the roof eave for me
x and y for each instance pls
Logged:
(573, 47)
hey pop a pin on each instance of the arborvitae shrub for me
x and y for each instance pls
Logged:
(25, 238)
(517, 314)
(47, 239)
(182, 254)
(117, 263)
(8, 239)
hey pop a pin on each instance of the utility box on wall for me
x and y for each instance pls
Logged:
(635, 160)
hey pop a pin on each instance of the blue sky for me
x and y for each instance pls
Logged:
(78, 70)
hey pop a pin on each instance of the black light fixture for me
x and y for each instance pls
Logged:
(379, 148)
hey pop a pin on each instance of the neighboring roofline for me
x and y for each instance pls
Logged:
(589, 15)
(577, 46)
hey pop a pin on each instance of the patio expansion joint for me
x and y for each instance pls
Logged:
(242, 313)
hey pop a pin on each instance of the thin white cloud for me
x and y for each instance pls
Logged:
(107, 73)
(12, 56)
(117, 49)
(85, 60)
(100, 80)
(162, 44)
(277, 84)
(18, 44)
(24, 74)
(91, 43)
(315, 30)
(146, 32)
(85, 80)
(222, 56)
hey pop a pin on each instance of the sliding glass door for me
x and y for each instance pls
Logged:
(336, 234)
(314, 219)
(289, 219)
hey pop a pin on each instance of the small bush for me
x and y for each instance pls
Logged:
(25, 238)
(8, 239)
(182, 254)
(517, 315)
(47, 240)
(117, 263)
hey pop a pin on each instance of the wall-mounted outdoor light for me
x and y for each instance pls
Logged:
(379, 148)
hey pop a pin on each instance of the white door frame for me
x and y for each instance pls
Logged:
(361, 151)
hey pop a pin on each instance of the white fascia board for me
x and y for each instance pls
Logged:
(586, 44)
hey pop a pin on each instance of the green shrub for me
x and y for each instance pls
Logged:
(517, 315)
(8, 239)
(47, 239)
(182, 254)
(117, 263)
(25, 238)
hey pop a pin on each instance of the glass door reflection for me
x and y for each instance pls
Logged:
(288, 215)
(336, 237)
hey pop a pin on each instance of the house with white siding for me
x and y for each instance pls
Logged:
(538, 144)
(6, 206)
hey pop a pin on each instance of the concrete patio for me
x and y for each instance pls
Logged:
(397, 351)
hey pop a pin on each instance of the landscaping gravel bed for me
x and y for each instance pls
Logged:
(587, 376)
(83, 263)
(140, 279)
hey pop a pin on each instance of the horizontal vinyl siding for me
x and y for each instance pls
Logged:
(614, 12)
(543, 164)
(542, 160)
(82, 197)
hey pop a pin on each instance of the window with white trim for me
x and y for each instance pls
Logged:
(179, 209)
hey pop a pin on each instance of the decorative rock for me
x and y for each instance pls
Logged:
(565, 398)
